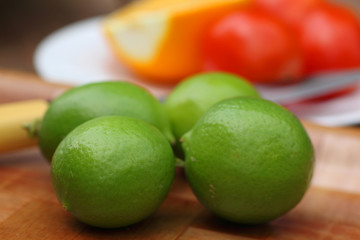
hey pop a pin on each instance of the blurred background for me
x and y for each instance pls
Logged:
(23, 24)
(42, 37)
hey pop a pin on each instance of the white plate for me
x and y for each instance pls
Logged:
(79, 54)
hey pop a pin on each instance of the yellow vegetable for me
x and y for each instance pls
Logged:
(161, 39)
(13, 118)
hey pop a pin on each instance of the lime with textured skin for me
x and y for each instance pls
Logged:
(248, 160)
(192, 97)
(113, 171)
(86, 102)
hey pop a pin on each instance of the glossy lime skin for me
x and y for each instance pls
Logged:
(192, 97)
(113, 171)
(248, 160)
(86, 102)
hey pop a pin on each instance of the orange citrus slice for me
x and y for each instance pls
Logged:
(160, 39)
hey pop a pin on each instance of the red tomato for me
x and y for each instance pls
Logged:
(291, 12)
(330, 38)
(253, 45)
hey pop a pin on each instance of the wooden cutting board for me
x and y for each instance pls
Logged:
(329, 210)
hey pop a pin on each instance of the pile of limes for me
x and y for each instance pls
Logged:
(111, 147)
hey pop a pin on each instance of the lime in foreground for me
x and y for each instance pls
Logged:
(248, 160)
(113, 171)
(86, 102)
(191, 98)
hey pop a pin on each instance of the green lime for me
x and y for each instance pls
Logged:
(86, 102)
(191, 98)
(248, 160)
(113, 171)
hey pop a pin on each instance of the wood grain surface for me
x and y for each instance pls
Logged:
(329, 210)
